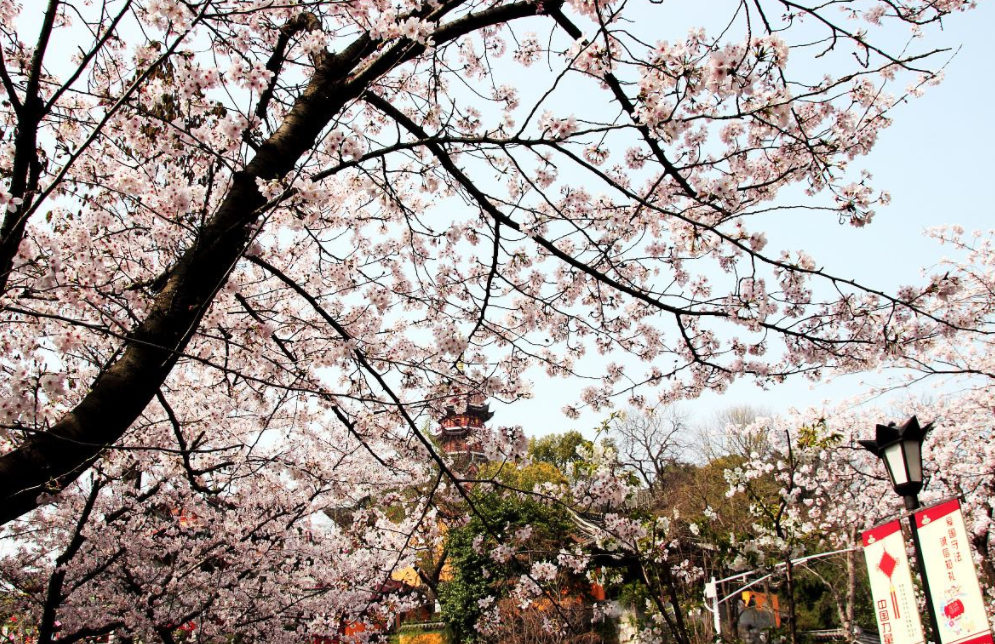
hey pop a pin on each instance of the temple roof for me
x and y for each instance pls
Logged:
(481, 412)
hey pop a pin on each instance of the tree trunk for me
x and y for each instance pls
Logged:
(789, 574)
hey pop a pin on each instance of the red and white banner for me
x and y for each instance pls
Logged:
(953, 581)
(891, 585)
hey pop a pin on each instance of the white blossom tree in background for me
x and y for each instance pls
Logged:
(840, 489)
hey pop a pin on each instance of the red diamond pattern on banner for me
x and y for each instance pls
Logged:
(887, 564)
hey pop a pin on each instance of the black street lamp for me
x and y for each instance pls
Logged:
(901, 450)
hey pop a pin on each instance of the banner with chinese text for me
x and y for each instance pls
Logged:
(891, 585)
(953, 581)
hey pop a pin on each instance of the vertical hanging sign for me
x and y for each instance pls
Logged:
(953, 581)
(891, 585)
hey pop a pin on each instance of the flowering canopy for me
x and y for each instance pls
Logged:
(252, 245)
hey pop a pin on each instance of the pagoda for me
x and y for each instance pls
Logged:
(459, 430)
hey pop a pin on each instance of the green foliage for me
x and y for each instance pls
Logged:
(818, 436)
(633, 594)
(689, 506)
(558, 450)
(523, 478)
(475, 575)
(814, 605)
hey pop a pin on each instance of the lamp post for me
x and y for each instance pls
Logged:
(900, 447)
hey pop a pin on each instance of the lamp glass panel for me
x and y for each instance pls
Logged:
(913, 457)
(896, 464)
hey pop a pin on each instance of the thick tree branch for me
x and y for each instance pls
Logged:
(122, 390)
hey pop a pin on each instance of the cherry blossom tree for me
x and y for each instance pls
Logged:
(249, 247)
(828, 489)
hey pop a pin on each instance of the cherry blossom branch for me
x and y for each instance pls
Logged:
(191, 472)
(491, 273)
(89, 56)
(302, 22)
(25, 161)
(32, 100)
(8, 85)
(53, 597)
(397, 403)
(499, 216)
(154, 346)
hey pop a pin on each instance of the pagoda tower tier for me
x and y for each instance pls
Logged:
(459, 427)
